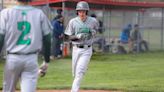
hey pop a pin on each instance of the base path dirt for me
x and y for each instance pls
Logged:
(80, 91)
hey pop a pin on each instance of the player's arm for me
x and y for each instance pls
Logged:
(2, 28)
(1, 41)
(47, 47)
(46, 30)
(46, 52)
(69, 32)
(71, 37)
(96, 28)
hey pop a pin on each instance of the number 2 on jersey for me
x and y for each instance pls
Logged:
(25, 28)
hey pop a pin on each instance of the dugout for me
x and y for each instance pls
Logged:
(116, 14)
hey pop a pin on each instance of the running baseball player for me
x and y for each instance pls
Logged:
(23, 29)
(81, 30)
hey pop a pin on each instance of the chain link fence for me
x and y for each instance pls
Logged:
(150, 21)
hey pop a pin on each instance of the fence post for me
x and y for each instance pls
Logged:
(162, 28)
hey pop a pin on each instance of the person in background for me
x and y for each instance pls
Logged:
(125, 37)
(58, 34)
(139, 44)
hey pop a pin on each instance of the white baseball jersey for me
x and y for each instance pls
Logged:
(76, 25)
(19, 26)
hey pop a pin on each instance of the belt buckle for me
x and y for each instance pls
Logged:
(86, 46)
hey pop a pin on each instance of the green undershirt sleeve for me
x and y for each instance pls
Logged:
(1, 41)
(47, 47)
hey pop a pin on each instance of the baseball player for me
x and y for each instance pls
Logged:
(81, 31)
(23, 29)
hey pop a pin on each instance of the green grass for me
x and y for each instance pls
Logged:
(129, 73)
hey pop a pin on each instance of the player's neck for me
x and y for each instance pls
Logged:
(83, 18)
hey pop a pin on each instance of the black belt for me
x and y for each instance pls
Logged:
(19, 53)
(82, 46)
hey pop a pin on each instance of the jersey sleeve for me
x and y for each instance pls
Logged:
(69, 29)
(2, 22)
(96, 27)
(46, 25)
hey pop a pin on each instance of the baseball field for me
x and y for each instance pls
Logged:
(141, 72)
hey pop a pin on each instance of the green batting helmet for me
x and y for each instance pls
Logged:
(82, 5)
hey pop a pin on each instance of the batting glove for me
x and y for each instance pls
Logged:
(79, 36)
(83, 36)
(43, 69)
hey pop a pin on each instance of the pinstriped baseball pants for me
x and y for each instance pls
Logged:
(80, 60)
(23, 68)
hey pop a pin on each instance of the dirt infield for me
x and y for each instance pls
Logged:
(80, 91)
(70, 91)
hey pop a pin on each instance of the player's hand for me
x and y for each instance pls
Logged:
(83, 36)
(43, 69)
(61, 36)
(93, 33)
(79, 36)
